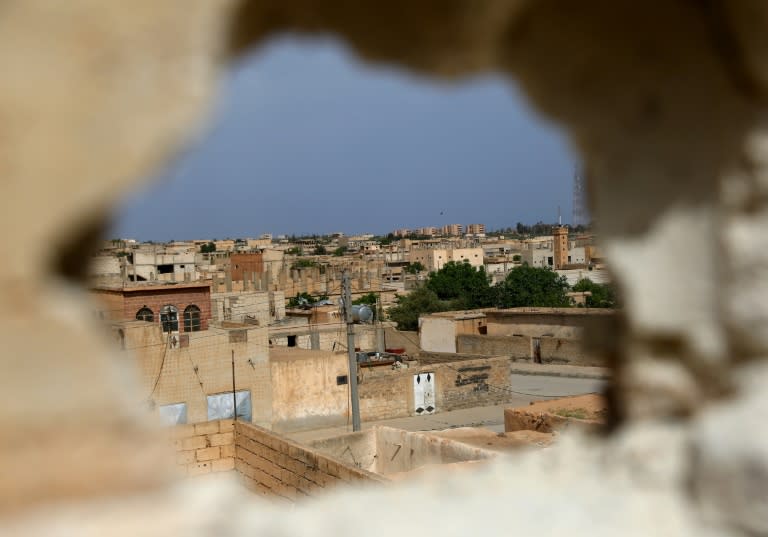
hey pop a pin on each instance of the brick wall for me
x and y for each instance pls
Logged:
(514, 346)
(276, 467)
(246, 263)
(124, 304)
(386, 394)
(181, 298)
(206, 447)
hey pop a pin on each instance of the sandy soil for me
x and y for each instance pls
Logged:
(590, 407)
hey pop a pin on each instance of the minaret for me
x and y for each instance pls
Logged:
(560, 245)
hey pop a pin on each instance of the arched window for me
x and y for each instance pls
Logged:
(145, 314)
(169, 318)
(192, 318)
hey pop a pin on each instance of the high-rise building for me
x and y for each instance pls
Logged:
(475, 229)
(453, 230)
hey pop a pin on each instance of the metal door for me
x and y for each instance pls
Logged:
(424, 393)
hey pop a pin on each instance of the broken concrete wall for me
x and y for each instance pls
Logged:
(664, 100)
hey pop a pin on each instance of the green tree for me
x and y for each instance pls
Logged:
(418, 302)
(368, 298)
(414, 268)
(463, 284)
(207, 248)
(320, 250)
(340, 251)
(296, 250)
(304, 263)
(533, 287)
(602, 295)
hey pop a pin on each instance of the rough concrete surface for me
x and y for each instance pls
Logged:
(665, 101)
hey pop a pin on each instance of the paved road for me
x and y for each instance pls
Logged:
(491, 417)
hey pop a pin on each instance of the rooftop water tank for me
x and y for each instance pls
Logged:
(362, 313)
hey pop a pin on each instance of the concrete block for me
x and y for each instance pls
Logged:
(198, 468)
(208, 454)
(221, 439)
(223, 465)
(185, 457)
(195, 442)
(226, 426)
(208, 427)
(228, 450)
(182, 431)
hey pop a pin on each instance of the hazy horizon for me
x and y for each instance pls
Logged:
(305, 139)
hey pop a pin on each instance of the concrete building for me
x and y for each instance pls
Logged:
(475, 229)
(192, 382)
(245, 265)
(435, 258)
(453, 230)
(540, 335)
(176, 308)
(438, 331)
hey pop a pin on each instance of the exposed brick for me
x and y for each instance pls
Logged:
(226, 426)
(207, 427)
(221, 439)
(185, 457)
(208, 454)
(195, 442)
(223, 465)
(228, 451)
(182, 431)
(199, 468)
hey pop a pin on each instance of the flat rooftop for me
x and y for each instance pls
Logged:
(135, 287)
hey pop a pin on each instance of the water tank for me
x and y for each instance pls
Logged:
(362, 313)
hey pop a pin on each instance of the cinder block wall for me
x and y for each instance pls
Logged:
(514, 346)
(567, 351)
(202, 448)
(459, 383)
(276, 467)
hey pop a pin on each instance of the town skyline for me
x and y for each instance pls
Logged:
(370, 149)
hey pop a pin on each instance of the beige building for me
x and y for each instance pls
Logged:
(453, 229)
(438, 331)
(435, 258)
(475, 229)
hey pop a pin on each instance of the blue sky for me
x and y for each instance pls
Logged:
(307, 139)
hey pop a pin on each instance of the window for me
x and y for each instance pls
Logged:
(174, 414)
(192, 319)
(169, 318)
(145, 314)
(220, 406)
(291, 341)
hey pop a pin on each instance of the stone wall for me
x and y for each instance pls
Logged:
(279, 468)
(458, 384)
(305, 391)
(513, 346)
(201, 366)
(204, 448)
(567, 351)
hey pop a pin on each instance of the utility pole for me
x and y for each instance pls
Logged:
(234, 398)
(355, 402)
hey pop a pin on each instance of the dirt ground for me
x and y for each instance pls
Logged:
(590, 407)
